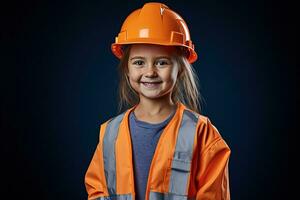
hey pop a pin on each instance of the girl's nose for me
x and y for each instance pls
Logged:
(151, 71)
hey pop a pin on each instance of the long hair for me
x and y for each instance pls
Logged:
(186, 89)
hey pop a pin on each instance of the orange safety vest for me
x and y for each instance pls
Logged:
(190, 161)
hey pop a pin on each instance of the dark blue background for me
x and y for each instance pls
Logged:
(59, 82)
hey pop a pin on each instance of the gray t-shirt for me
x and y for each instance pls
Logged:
(144, 138)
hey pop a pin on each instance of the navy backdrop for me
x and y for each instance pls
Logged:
(59, 82)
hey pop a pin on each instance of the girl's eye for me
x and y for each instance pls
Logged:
(138, 62)
(162, 63)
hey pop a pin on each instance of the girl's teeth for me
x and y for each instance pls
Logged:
(150, 84)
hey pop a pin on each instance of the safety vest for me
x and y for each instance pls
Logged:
(175, 172)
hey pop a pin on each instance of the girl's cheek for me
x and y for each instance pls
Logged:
(134, 77)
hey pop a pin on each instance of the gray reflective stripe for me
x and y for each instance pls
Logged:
(182, 158)
(116, 197)
(109, 158)
(162, 196)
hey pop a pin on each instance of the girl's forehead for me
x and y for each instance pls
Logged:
(151, 50)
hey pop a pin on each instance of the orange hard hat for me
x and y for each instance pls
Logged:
(155, 23)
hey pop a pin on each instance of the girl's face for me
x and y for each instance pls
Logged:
(152, 70)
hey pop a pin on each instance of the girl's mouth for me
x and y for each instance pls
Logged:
(151, 84)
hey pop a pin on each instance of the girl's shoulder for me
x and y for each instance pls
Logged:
(205, 126)
(203, 121)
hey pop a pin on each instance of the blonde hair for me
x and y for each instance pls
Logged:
(185, 90)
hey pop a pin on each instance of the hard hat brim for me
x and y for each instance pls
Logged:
(118, 52)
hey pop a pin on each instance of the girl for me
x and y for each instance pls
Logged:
(161, 147)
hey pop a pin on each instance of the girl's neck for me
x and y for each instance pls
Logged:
(154, 111)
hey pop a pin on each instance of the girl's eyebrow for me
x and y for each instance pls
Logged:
(166, 57)
(137, 57)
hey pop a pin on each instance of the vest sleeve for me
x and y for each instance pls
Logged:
(212, 173)
(94, 177)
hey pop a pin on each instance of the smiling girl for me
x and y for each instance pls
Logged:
(161, 147)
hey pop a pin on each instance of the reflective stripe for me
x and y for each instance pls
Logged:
(109, 158)
(182, 158)
(162, 196)
(116, 197)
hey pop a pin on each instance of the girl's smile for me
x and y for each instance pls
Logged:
(151, 85)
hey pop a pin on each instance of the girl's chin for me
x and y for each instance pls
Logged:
(152, 96)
